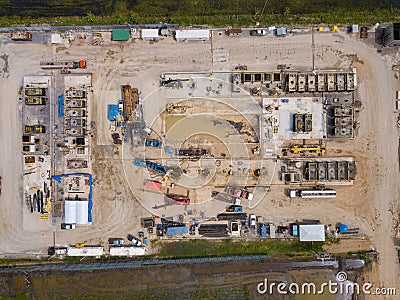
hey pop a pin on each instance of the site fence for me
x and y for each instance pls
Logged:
(85, 266)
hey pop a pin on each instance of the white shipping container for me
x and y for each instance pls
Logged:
(61, 251)
(96, 251)
(149, 34)
(192, 35)
(127, 251)
(398, 104)
(398, 95)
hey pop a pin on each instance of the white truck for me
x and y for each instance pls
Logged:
(258, 32)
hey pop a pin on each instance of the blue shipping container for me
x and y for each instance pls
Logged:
(112, 111)
(61, 106)
(177, 230)
(295, 230)
(263, 231)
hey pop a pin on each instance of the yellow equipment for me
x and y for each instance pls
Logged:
(79, 245)
(171, 108)
(316, 149)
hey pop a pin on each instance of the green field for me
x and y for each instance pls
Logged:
(188, 12)
(280, 248)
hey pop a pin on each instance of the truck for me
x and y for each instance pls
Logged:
(63, 64)
(116, 241)
(252, 221)
(179, 198)
(160, 169)
(21, 36)
(263, 231)
(294, 229)
(258, 32)
(324, 193)
(134, 240)
(238, 192)
(235, 228)
(153, 143)
(235, 208)
(65, 226)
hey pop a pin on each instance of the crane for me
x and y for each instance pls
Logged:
(319, 149)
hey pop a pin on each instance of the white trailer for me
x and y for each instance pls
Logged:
(95, 251)
(192, 35)
(312, 194)
(127, 251)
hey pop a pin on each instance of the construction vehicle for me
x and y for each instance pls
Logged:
(35, 100)
(130, 99)
(35, 129)
(299, 149)
(35, 92)
(307, 122)
(298, 125)
(172, 82)
(173, 108)
(190, 152)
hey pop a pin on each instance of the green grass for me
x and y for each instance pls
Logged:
(17, 297)
(130, 17)
(284, 248)
(17, 261)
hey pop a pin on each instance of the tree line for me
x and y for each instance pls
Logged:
(178, 8)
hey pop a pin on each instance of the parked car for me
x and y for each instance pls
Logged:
(252, 221)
